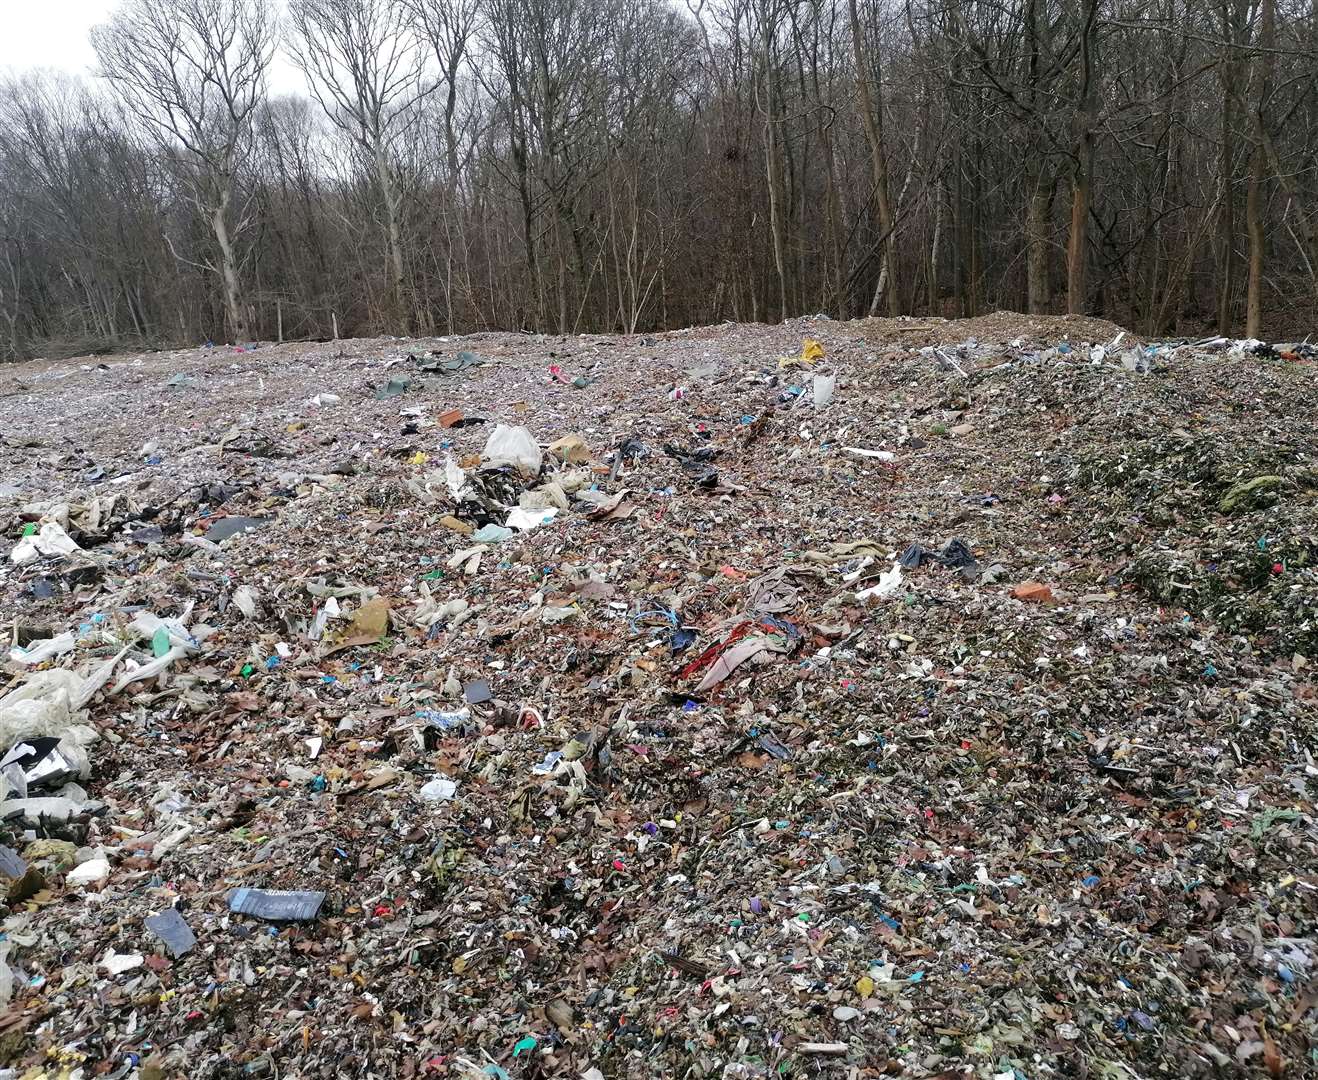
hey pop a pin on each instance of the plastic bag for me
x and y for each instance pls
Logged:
(512, 446)
(6, 974)
(440, 789)
(50, 540)
(430, 611)
(454, 478)
(38, 652)
(889, 582)
(150, 670)
(824, 386)
(146, 625)
(523, 519)
(245, 598)
(39, 707)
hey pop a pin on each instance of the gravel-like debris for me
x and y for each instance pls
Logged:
(961, 725)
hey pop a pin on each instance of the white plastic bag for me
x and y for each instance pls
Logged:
(524, 520)
(454, 478)
(38, 652)
(50, 539)
(823, 389)
(151, 669)
(440, 789)
(147, 623)
(512, 446)
(6, 974)
(889, 582)
(39, 707)
(877, 455)
(245, 598)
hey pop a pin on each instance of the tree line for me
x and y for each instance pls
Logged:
(624, 165)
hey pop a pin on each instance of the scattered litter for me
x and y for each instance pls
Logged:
(227, 527)
(392, 389)
(92, 870)
(477, 692)
(522, 519)
(514, 446)
(823, 388)
(275, 905)
(796, 709)
(440, 789)
(173, 931)
(50, 541)
(877, 455)
(114, 963)
(38, 652)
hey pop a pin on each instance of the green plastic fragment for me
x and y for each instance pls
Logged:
(160, 642)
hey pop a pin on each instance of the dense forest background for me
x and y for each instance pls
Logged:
(622, 165)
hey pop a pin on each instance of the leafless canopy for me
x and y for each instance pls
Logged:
(564, 165)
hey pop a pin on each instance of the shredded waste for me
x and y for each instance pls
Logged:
(829, 699)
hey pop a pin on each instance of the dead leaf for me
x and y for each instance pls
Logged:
(1272, 1056)
(559, 1013)
(369, 624)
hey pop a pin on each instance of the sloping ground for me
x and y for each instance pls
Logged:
(959, 822)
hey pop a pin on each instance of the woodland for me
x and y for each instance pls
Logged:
(565, 166)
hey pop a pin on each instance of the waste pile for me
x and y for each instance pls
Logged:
(855, 699)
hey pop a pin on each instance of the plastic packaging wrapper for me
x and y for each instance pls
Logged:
(514, 446)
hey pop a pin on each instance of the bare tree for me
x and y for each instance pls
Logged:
(193, 71)
(365, 67)
(627, 165)
(447, 26)
(870, 104)
(549, 56)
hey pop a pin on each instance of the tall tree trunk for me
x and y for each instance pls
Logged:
(233, 307)
(871, 110)
(393, 236)
(774, 169)
(1254, 229)
(1082, 176)
(1226, 224)
(533, 282)
(974, 218)
(1254, 202)
(1228, 72)
(931, 271)
(1038, 196)
(833, 220)
(1076, 255)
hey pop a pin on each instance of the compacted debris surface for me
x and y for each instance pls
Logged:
(848, 699)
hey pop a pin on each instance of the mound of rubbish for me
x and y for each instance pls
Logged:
(888, 698)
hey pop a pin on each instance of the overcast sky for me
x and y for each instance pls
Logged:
(49, 33)
(53, 34)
